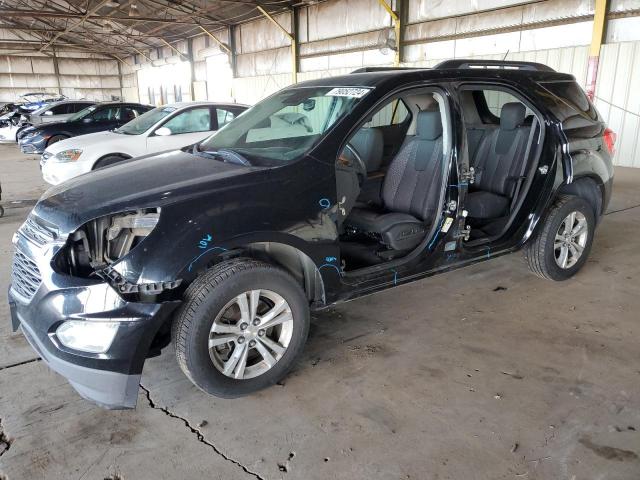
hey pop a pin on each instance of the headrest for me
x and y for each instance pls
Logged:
(512, 115)
(429, 125)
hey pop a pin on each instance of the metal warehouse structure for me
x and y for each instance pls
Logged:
(158, 51)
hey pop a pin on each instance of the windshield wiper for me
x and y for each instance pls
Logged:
(227, 155)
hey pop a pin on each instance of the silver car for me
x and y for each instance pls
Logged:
(55, 112)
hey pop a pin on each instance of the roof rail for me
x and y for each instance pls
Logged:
(382, 69)
(499, 64)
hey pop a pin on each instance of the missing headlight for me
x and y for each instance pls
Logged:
(103, 241)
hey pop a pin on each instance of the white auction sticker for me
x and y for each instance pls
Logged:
(348, 92)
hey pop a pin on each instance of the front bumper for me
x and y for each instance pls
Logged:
(109, 379)
(32, 145)
(55, 173)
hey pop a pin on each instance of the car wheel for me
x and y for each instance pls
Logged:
(241, 328)
(55, 139)
(108, 160)
(563, 244)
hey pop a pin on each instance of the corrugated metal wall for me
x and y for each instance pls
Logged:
(618, 98)
(80, 77)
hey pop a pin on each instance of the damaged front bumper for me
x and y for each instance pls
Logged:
(41, 300)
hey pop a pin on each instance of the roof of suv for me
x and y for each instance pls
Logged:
(481, 69)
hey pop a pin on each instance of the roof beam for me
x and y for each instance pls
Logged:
(36, 14)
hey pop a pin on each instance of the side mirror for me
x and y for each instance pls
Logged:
(163, 132)
(48, 112)
(87, 120)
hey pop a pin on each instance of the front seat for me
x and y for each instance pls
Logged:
(410, 190)
(498, 163)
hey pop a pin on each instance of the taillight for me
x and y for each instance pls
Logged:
(610, 140)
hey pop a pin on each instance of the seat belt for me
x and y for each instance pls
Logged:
(525, 161)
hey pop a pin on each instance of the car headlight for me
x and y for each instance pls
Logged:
(68, 155)
(105, 240)
(87, 336)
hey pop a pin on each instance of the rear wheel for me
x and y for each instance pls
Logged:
(563, 244)
(242, 326)
(55, 139)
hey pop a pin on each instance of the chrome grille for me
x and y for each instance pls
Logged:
(25, 276)
(36, 232)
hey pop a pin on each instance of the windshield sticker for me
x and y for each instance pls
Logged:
(350, 92)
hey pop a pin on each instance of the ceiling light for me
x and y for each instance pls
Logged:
(133, 10)
(112, 4)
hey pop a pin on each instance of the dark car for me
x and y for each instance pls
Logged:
(326, 191)
(95, 118)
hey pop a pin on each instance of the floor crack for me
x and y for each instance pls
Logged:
(197, 433)
(622, 209)
(5, 441)
(31, 360)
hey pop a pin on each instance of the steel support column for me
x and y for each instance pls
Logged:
(292, 38)
(599, 25)
(397, 27)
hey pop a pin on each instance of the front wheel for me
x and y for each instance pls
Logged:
(563, 244)
(108, 160)
(55, 139)
(241, 328)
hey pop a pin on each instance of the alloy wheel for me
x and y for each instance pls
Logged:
(570, 240)
(250, 334)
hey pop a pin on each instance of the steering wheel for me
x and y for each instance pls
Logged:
(360, 167)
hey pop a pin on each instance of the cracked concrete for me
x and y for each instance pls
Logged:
(199, 435)
(487, 372)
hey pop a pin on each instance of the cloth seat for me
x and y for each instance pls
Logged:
(498, 163)
(410, 191)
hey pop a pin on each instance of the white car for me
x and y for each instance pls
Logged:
(164, 128)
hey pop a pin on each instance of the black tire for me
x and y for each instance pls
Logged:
(540, 252)
(55, 139)
(205, 298)
(108, 160)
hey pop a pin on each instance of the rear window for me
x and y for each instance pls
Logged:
(573, 96)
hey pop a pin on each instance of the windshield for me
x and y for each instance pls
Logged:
(285, 126)
(82, 113)
(145, 121)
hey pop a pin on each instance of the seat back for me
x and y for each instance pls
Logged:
(412, 184)
(499, 157)
(369, 143)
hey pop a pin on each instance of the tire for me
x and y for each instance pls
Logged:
(208, 297)
(108, 160)
(55, 139)
(544, 252)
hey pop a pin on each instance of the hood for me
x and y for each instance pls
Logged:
(145, 182)
(82, 141)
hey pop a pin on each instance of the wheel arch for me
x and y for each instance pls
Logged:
(124, 156)
(289, 257)
(588, 188)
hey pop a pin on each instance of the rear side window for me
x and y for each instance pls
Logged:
(224, 116)
(571, 94)
(393, 113)
(59, 110)
(193, 120)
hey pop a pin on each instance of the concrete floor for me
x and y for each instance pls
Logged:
(484, 373)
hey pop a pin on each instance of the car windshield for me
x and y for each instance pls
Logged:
(82, 113)
(285, 126)
(144, 122)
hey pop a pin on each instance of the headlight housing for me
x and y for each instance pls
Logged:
(70, 155)
(105, 240)
(87, 336)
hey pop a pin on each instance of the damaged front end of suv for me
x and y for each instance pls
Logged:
(79, 312)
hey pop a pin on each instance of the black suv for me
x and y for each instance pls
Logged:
(325, 191)
(95, 118)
